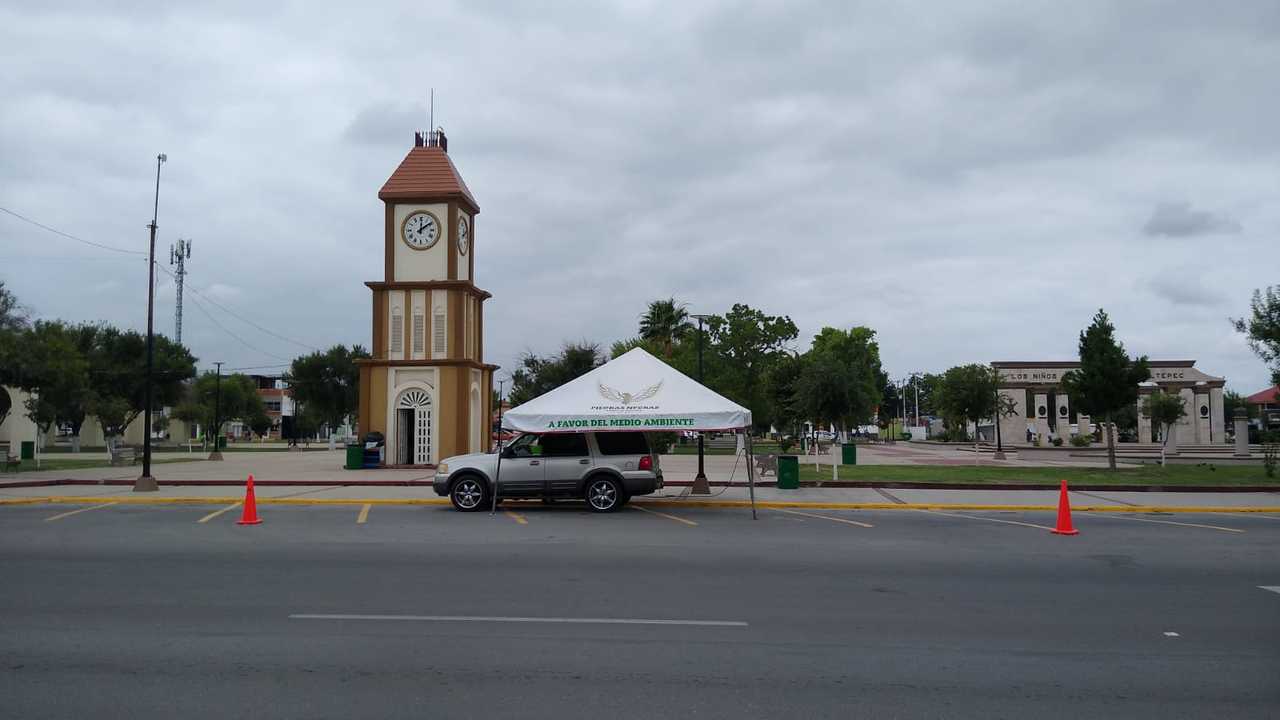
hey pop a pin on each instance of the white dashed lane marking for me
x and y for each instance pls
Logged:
(1272, 588)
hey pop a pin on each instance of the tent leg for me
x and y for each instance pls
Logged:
(751, 475)
(497, 472)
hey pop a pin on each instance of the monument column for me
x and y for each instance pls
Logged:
(1064, 418)
(1217, 433)
(1144, 422)
(1241, 420)
(1042, 411)
(1201, 412)
(1187, 425)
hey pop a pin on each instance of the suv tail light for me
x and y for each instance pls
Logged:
(646, 462)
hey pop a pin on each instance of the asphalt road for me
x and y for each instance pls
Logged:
(143, 612)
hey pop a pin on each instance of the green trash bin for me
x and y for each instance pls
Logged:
(355, 457)
(28, 450)
(849, 454)
(222, 442)
(788, 472)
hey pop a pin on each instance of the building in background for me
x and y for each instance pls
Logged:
(1044, 411)
(1267, 406)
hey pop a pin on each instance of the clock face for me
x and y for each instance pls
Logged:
(420, 230)
(464, 236)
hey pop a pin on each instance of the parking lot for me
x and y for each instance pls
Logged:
(370, 610)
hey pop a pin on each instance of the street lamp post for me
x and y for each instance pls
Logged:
(146, 482)
(217, 415)
(700, 484)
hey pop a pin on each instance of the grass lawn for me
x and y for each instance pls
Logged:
(1049, 476)
(64, 463)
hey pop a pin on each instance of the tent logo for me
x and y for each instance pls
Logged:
(609, 393)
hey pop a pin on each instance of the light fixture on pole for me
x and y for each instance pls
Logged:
(146, 482)
(700, 484)
(217, 416)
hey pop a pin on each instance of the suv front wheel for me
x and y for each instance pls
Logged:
(604, 494)
(468, 494)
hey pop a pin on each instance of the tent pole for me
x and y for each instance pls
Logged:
(751, 475)
(497, 472)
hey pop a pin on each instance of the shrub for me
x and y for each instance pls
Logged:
(1271, 453)
(1057, 442)
(1081, 440)
(785, 445)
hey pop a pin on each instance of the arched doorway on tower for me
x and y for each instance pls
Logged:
(413, 428)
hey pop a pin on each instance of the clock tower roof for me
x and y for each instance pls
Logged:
(427, 173)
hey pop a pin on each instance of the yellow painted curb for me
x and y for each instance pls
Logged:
(765, 504)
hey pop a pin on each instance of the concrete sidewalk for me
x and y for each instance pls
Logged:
(814, 498)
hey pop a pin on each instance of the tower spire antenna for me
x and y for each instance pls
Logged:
(179, 255)
(431, 117)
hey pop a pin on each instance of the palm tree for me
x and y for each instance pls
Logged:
(665, 323)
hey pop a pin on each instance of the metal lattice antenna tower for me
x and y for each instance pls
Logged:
(178, 255)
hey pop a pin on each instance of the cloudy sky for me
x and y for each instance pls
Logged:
(972, 180)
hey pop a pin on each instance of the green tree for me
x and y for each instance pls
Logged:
(622, 347)
(1231, 400)
(49, 365)
(1263, 327)
(781, 386)
(538, 375)
(742, 347)
(117, 378)
(968, 393)
(840, 383)
(236, 399)
(1165, 410)
(665, 324)
(259, 422)
(13, 316)
(328, 383)
(1107, 379)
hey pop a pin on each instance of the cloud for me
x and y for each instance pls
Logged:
(1185, 289)
(962, 177)
(1179, 220)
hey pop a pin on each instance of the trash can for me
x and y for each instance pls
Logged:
(222, 442)
(28, 450)
(355, 457)
(849, 454)
(788, 472)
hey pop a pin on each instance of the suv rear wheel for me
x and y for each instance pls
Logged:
(468, 494)
(604, 494)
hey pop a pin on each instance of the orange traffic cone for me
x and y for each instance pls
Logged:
(1064, 514)
(250, 514)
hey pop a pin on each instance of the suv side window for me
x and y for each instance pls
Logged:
(564, 445)
(525, 446)
(622, 443)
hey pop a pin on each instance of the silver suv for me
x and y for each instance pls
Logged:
(605, 469)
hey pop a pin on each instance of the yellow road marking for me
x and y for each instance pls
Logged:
(515, 516)
(827, 517)
(669, 517)
(995, 520)
(764, 504)
(77, 512)
(1171, 522)
(364, 514)
(216, 513)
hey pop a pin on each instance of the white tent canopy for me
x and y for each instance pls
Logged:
(636, 391)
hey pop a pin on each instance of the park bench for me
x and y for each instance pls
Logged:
(7, 458)
(124, 455)
(767, 464)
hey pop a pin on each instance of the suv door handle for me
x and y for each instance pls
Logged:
(584, 461)
(535, 462)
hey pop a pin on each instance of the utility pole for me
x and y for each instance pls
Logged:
(217, 415)
(501, 383)
(179, 255)
(146, 482)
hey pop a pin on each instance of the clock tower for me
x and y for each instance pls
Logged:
(427, 388)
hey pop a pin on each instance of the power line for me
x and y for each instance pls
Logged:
(211, 301)
(239, 339)
(70, 236)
